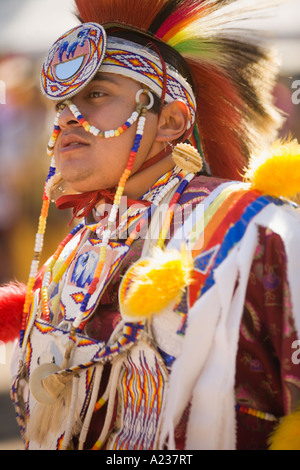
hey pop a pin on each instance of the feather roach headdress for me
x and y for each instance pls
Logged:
(233, 76)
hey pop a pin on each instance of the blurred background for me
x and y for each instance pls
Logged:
(27, 29)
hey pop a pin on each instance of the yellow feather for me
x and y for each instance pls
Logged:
(277, 171)
(154, 283)
(287, 434)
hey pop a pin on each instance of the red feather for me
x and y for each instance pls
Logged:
(12, 297)
(138, 14)
(220, 123)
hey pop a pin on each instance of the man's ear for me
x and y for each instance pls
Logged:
(173, 122)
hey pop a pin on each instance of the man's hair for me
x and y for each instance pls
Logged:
(231, 72)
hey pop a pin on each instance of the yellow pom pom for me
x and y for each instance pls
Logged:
(155, 283)
(277, 171)
(286, 435)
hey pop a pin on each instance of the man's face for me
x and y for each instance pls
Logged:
(88, 162)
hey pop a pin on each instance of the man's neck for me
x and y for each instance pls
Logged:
(140, 182)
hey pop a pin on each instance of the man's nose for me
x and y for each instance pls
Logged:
(67, 118)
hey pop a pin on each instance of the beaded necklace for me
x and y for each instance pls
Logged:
(182, 176)
(130, 332)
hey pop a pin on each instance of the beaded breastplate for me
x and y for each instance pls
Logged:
(138, 373)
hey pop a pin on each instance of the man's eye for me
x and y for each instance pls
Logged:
(96, 94)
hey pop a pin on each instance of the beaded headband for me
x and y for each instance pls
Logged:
(77, 56)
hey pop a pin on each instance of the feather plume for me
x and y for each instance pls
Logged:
(233, 74)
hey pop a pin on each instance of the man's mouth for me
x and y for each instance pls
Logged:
(74, 143)
(72, 146)
(69, 142)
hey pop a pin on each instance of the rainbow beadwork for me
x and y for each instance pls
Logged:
(257, 413)
(73, 60)
(105, 134)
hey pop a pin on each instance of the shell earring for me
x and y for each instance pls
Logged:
(187, 157)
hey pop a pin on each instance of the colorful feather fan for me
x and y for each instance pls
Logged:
(234, 76)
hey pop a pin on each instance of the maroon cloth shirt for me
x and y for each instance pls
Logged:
(267, 380)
